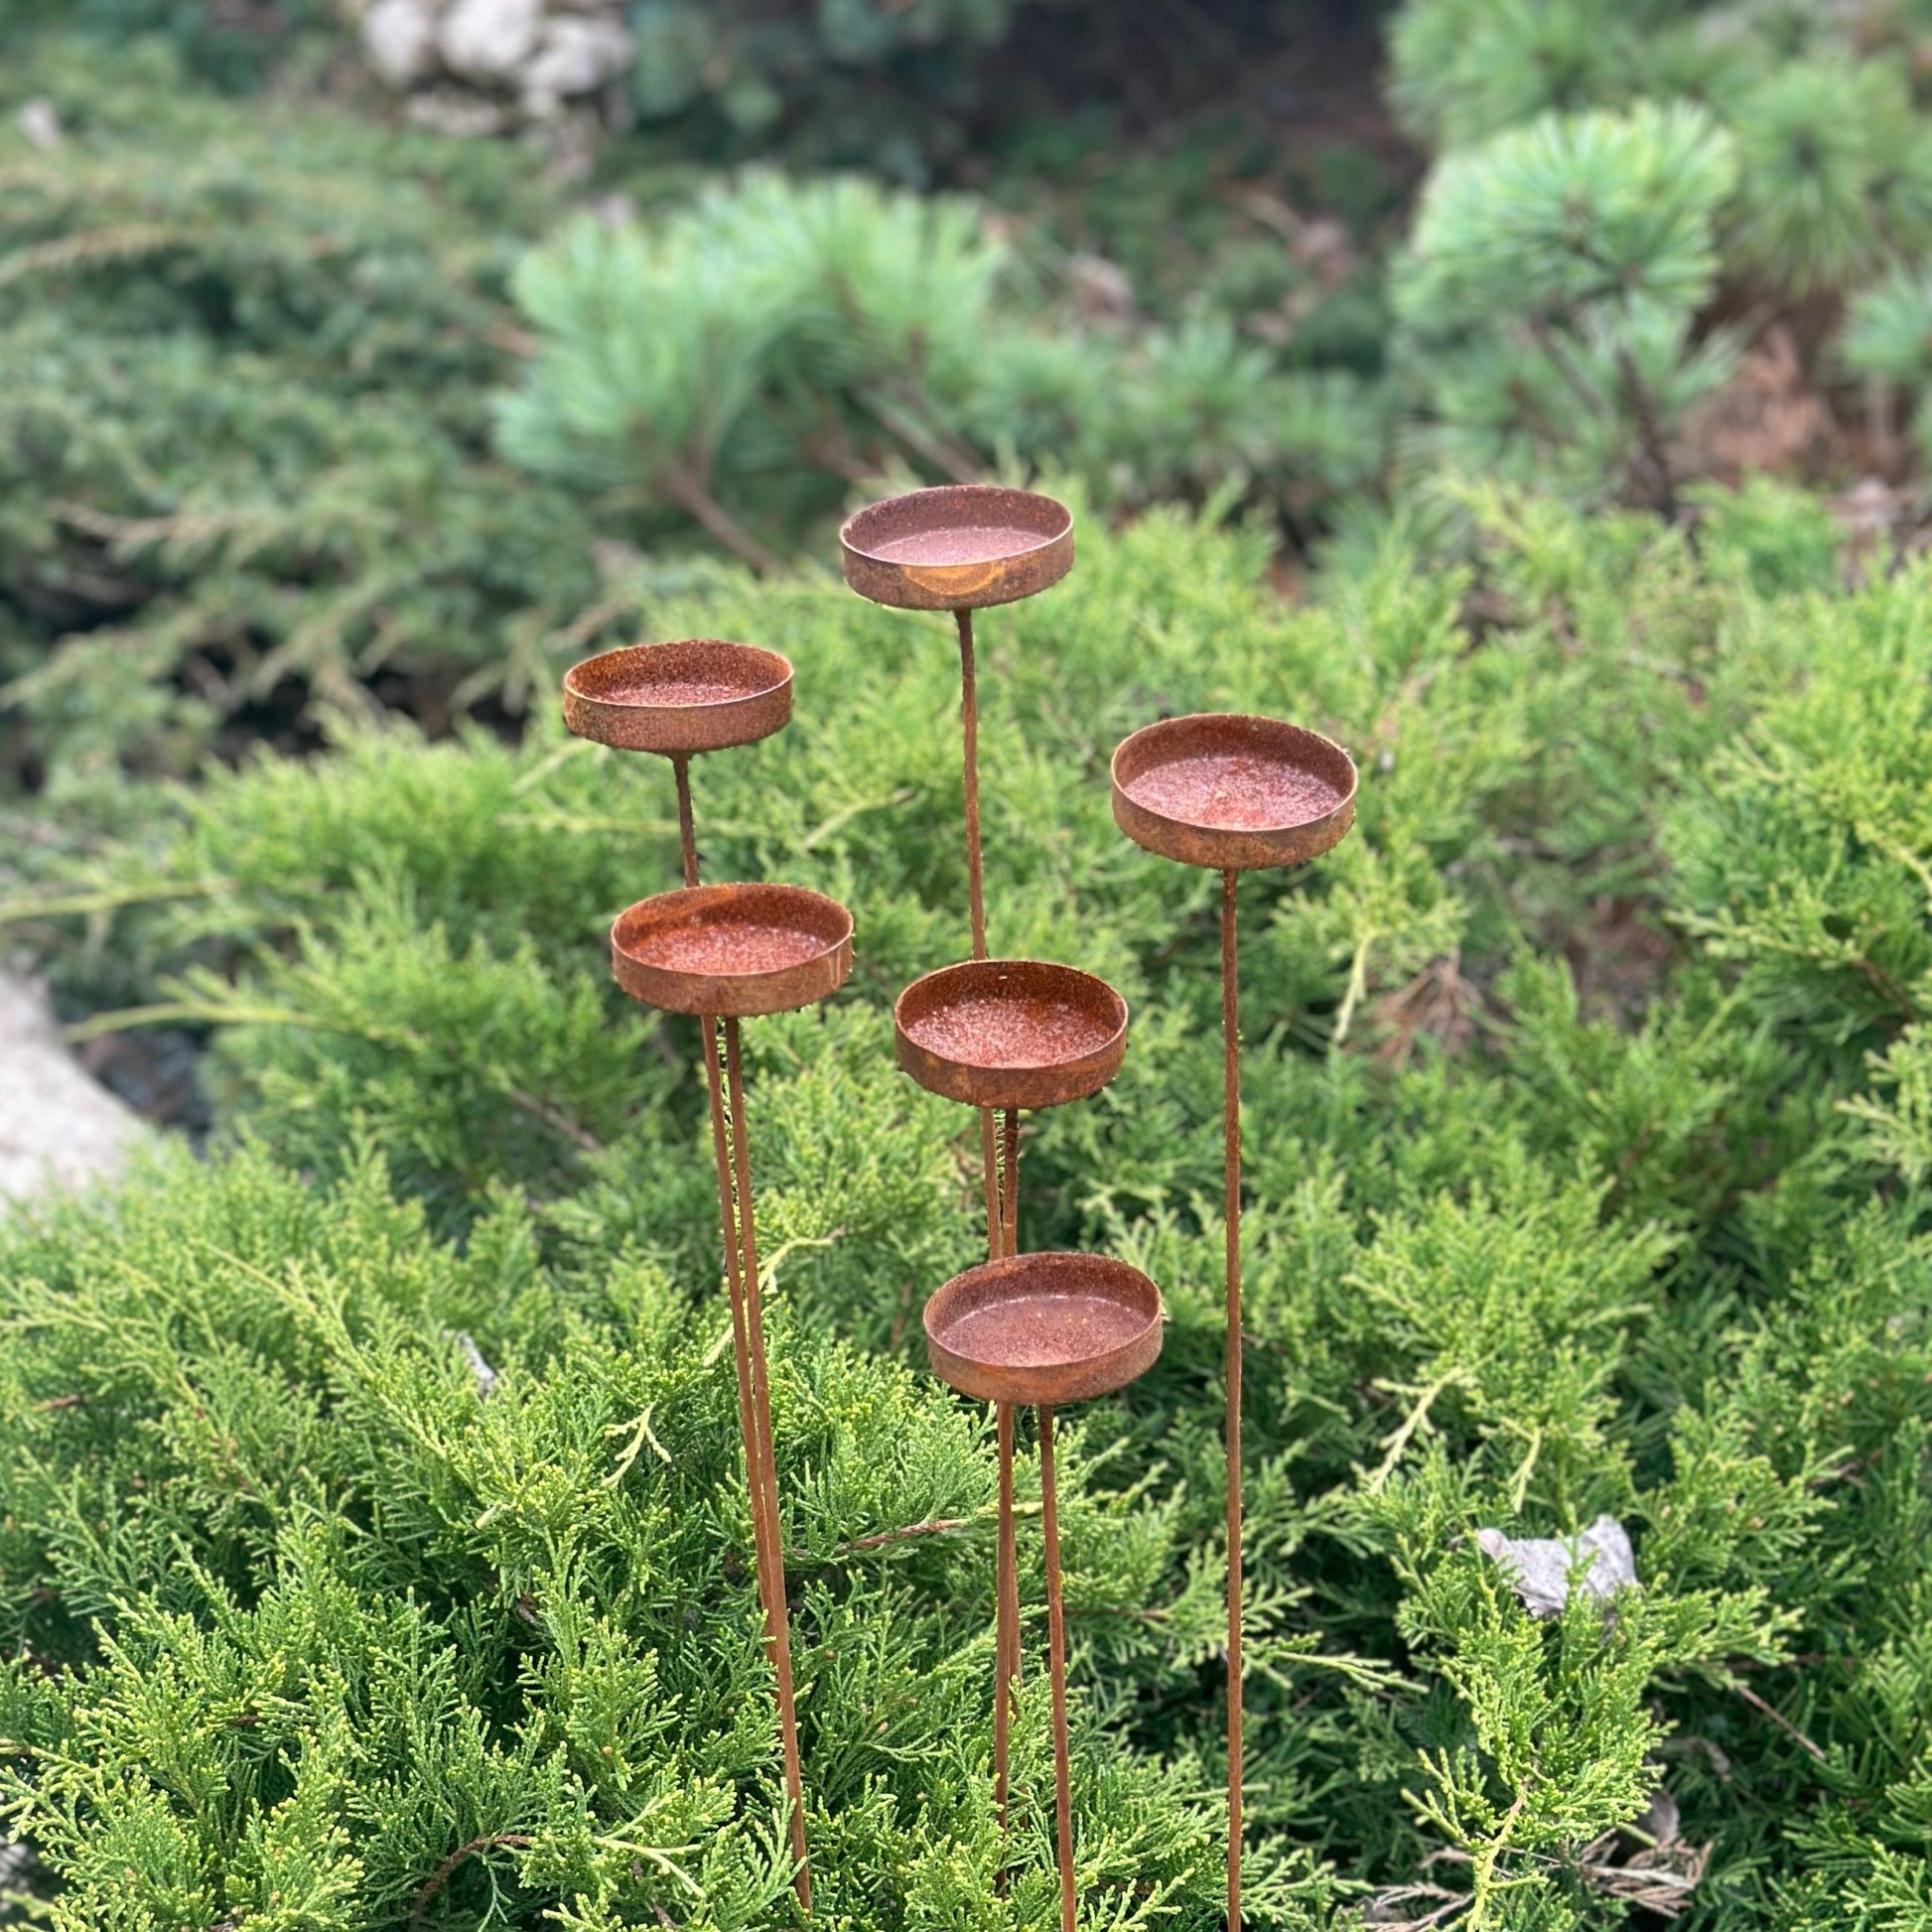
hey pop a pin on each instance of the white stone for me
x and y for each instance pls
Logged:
(58, 1129)
(1539, 1567)
(38, 121)
(453, 110)
(399, 37)
(489, 40)
(574, 56)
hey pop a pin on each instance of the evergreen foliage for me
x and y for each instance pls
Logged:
(763, 351)
(1830, 186)
(1588, 1122)
(742, 58)
(244, 370)
(1549, 285)
(251, 367)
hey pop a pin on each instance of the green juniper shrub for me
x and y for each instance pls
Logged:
(1585, 1175)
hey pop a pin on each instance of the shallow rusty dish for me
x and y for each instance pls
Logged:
(1232, 792)
(960, 547)
(1011, 1033)
(1044, 1329)
(699, 694)
(731, 951)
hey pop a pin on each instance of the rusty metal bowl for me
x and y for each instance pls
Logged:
(731, 951)
(1044, 1330)
(1011, 1033)
(1234, 792)
(961, 547)
(699, 694)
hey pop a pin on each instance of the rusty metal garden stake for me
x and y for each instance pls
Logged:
(1002, 1035)
(1049, 1520)
(722, 951)
(961, 549)
(1235, 794)
(1043, 1331)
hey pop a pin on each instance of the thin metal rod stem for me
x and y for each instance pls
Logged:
(996, 1222)
(969, 717)
(776, 1613)
(759, 1476)
(686, 833)
(1231, 1133)
(1007, 1571)
(1006, 1644)
(741, 1345)
(1056, 1666)
(1011, 1182)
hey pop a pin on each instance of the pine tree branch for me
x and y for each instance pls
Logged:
(683, 487)
(1572, 371)
(1650, 433)
(940, 451)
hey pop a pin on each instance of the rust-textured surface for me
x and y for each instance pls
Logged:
(755, 1427)
(1044, 1329)
(731, 951)
(1231, 1215)
(777, 1616)
(1233, 793)
(1011, 1033)
(960, 547)
(1049, 1516)
(698, 694)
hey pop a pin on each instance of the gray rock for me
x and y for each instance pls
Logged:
(574, 56)
(58, 1129)
(489, 40)
(450, 110)
(38, 121)
(399, 37)
(1539, 1567)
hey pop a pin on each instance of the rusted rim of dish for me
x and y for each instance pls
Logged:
(695, 694)
(959, 547)
(1233, 791)
(1044, 1330)
(1011, 1033)
(731, 951)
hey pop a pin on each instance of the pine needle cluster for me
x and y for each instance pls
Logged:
(1826, 192)
(751, 358)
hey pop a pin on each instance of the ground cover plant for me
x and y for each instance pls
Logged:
(373, 1552)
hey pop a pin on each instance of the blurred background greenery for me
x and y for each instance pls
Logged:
(377, 357)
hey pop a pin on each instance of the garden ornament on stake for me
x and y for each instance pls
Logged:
(1005, 1034)
(1043, 1331)
(965, 547)
(723, 953)
(1236, 794)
